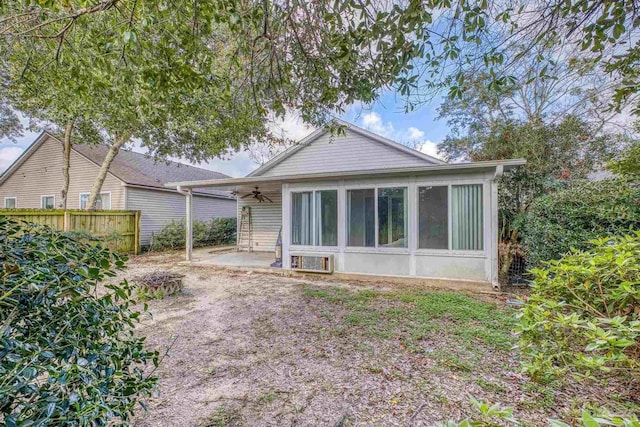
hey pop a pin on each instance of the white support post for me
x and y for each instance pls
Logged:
(189, 220)
(493, 236)
(286, 226)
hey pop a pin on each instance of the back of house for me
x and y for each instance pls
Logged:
(359, 203)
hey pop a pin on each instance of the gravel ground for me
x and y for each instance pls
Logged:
(248, 349)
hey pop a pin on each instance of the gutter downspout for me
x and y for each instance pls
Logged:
(188, 221)
(494, 227)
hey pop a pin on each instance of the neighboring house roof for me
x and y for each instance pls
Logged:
(132, 168)
(140, 170)
(319, 132)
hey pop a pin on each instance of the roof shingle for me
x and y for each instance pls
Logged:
(138, 169)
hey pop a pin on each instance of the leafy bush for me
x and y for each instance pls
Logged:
(570, 218)
(496, 416)
(583, 315)
(218, 231)
(69, 356)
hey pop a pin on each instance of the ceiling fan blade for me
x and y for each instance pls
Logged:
(268, 199)
(246, 195)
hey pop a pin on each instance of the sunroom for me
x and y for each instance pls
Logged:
(430, 221)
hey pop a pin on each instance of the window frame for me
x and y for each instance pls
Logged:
(481, 253)
(15, 202)
(313, 191)
(42, 197)
(407, 211)
(88, 193)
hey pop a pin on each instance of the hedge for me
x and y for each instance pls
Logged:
(568, 219)
(218, 231)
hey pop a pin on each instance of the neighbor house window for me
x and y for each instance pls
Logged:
(433, 223)
(314, 218)
(466, 217)
(392, 217)
(10, 202)
(361, 218)
(103, 201)
(47, 202)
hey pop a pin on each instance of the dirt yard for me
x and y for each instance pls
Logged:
(248, 349)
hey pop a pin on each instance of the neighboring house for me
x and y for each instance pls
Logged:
(134, 182)
(373, 206)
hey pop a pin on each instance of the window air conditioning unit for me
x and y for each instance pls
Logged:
(312, 263)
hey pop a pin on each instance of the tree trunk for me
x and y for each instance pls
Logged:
(66, 162)
(119, 141)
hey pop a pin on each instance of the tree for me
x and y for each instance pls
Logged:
(185, 106)
(337, 52)
(555, 153)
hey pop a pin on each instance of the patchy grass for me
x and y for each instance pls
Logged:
(221, 417)
(470, 325)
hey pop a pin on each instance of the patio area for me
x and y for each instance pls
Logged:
(233, 258)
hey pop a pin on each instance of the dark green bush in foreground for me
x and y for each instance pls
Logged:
(570, 218)
(218, 231)
(583, 314)
(67, 355)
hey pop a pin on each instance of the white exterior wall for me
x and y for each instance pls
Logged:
(266, 221)
(161, 207)
(351, 151)
(410, 261)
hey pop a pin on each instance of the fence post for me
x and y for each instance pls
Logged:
(136, 228)
(67, 221)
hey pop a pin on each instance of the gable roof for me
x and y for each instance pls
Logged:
(132, 168)
(305, 142)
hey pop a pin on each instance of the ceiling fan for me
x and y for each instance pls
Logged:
(256, 194)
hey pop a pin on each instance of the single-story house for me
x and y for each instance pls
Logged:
(360, 203)
(134, 182)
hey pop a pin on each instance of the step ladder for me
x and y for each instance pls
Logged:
(244, 234)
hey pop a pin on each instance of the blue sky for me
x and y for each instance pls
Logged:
(419, 129)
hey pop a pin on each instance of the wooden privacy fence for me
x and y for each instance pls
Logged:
(120, 230)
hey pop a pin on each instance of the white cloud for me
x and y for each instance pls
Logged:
(8, 155)
(430, 148)
(373, 122)
(411, 137)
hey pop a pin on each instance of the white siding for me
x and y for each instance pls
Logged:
(161, 207)
(266, 221)
(41, 174)
(348, 152)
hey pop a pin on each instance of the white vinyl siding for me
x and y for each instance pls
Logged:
(41, 174)
(161, 207)
(266, 221)
(348, 152)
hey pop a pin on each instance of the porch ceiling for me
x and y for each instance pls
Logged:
(272, 183)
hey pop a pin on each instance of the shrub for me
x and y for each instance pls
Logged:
(570, 218)
(495, 416)
(218, 231)
(583, 315)
(69, 356)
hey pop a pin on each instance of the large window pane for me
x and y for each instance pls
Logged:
(433, 217)
(327, 218)
(361, 218)
(301, 218)
(466, 217)
(392, 217)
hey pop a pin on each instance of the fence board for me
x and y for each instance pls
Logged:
(119, 229)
